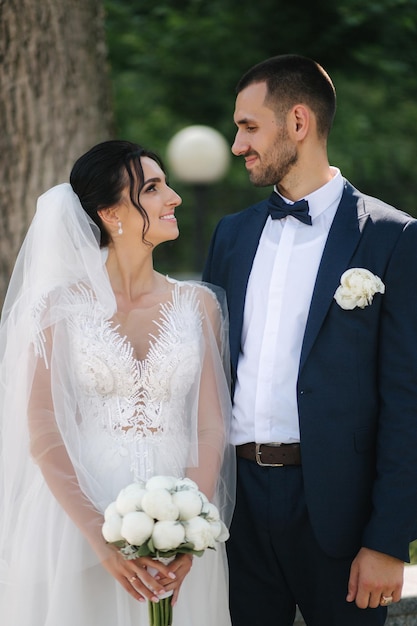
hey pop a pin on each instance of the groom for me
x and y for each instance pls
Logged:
(323, 331)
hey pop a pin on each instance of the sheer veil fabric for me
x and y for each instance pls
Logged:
(90, 401)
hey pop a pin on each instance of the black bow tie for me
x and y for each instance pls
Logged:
(278, 208)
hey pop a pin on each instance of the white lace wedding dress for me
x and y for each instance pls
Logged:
(126, 397)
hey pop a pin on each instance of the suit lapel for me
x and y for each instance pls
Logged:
(243, 251)
(343, 238)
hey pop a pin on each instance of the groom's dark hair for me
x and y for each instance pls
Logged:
(293, 79)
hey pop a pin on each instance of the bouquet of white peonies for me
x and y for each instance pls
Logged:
(161, 518)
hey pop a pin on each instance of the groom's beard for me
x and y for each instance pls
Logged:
(276, 163)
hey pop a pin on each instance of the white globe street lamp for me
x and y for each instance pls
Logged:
(198, 155)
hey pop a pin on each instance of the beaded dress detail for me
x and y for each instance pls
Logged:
(135, 408)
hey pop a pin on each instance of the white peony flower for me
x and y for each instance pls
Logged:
(130, 498)
(137, 527)
(110, 511)
(357, 288)
(210, 512)
(188, 502)
(219, 530)
(203, 497)
(159, 504)
(161, 482)
(185, 483)
(168, 535)
(112, 529)
(198, 532)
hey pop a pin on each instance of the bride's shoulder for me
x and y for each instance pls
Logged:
(208, 294)
(210, 299)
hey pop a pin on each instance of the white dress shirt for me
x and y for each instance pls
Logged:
(277, 302)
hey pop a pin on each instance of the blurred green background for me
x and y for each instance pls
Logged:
(176, 63)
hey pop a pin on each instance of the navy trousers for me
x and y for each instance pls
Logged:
(275, 562)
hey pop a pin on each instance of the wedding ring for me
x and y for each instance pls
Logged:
(132, 579)
(385, 600)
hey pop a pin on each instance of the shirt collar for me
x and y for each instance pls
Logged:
(327, 195)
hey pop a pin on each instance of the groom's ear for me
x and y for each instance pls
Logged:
(299, 122)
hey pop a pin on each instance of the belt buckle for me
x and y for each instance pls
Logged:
(258, 454)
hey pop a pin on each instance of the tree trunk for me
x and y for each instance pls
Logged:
(54, 104)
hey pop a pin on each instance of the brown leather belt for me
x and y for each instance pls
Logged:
(271, 455)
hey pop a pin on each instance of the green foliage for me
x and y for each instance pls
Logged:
(176, 63)
(148, 549)
(371, 140)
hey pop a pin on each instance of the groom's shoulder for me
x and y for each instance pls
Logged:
(378, 209)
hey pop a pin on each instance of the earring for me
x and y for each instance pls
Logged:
(120, 231)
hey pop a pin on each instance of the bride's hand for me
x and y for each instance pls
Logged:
(180, 568)
(134, 577)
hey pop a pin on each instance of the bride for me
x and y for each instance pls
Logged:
(110, 373)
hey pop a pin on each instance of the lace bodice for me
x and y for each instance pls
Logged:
(133, 406)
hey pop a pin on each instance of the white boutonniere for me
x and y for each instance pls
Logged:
(357, 288)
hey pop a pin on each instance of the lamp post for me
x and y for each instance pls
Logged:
(199, 156)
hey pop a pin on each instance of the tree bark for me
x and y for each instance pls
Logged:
(54, 104)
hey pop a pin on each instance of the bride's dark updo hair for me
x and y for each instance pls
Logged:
(100, 175)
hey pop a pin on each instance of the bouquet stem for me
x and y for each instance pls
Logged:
(160, 613)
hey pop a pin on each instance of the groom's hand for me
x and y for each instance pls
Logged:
(372, 576)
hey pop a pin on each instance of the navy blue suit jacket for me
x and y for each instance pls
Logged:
(357, 382)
